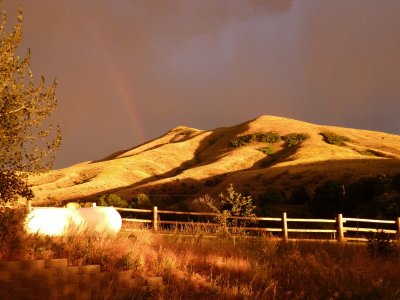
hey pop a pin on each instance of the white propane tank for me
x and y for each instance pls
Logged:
(57, 221)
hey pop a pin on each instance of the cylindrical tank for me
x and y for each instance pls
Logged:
(57, 221)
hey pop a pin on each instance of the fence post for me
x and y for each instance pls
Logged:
(155, 218)
(398, 227)
(340, 233)
(284, 227)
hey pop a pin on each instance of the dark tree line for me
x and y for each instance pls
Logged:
(373, 197)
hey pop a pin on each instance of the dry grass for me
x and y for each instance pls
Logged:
(194, 266)
(203, 268)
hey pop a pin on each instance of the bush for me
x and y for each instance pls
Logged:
(141, 201)
(241, 141)
(364, 191)
(231, 205)
(266, 150)
(266, 137)
(262, 137)
(112, 200)
(294, 139)
(327, 200)
(334, 139)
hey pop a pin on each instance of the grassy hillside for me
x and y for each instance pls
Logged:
(186, 163)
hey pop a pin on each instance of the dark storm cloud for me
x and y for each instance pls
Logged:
(130, 70)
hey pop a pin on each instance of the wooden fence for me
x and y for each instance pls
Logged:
(340, 228)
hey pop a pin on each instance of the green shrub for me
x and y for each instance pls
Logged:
(266, 150)
(142, 201)
(112, 200)
(294, 139)
(241, 141)
(334, 139)
(262, 137)
(267, 137)
(230, 205)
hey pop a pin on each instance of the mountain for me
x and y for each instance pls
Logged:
(264, 153)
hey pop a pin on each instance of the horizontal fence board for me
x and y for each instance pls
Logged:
(312, 230)
(263, 229)
(134, 209)
(136, 220)
(356, 239)
(186, 213)
(268, 219)
(373, 230)
(311, 220)
(369, 220)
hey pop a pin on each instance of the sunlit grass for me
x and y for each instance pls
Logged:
(194, 265)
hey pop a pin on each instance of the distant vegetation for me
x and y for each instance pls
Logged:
(334, 139)
(112, 200)
(141, 201)
(294, 139)
(267, 150)
(370, 197)
(138, 201)
(262, 137)
(271, 137)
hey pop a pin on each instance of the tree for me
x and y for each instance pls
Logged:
(26, 146)
(112, 200)
(233, 211)
(328, 199)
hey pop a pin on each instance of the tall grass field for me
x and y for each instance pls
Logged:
(194, 265)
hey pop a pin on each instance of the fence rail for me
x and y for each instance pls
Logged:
(339, 231)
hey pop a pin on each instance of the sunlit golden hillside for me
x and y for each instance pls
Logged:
(189, 162)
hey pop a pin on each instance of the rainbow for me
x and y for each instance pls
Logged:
(124, 93)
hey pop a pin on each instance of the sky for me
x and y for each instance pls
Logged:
(130, 70)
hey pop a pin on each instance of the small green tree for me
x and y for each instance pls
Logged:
(141, 201)
(112, 200)
(234, 211)
(25, 145)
